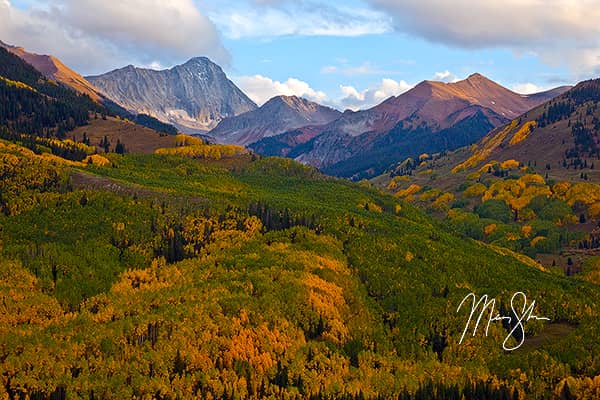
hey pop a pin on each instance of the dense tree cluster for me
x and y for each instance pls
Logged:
(556, 111)
(153, 123)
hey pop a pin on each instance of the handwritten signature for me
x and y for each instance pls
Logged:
(486, 304)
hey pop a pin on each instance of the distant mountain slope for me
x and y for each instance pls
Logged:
(194, 96)
(431, 117)
(563, 133)
(276, 116)
(52, 68)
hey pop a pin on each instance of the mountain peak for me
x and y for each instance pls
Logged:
(194, 96)
(283, 97)
(278, 115)
(200, 60)
(291, 101)
(476, 76)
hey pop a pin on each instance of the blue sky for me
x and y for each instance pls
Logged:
(342, 53)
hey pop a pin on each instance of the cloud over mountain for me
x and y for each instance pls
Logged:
(260, 88)
(355, 100)
(95, 33)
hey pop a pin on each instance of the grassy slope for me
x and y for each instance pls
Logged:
(135, 138)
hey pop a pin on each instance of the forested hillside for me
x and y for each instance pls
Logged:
(32, 105)
(212, 273)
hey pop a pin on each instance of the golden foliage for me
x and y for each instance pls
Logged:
(200, 231)
(560, 189)
(521, 257)
(533, 179)
(327, 299)
(412, 189)
(523, 132)
(443, 201)
(517, 193)
(22, 305)
(475, 190)
(594, 209)
(526, 230)
(537, 240)
(98, 160)
(509, 164)
(488, 145)
(489, 229)
(203, 151)
(430, 194)
(487, 166)
(187, 140)
(19, 85)
(48, 157)
(584, 192)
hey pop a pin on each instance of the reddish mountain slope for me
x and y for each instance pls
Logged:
(54, 69)
(431, 117)
(560, 137)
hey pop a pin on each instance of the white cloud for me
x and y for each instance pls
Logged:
(155, 65)
(560, 32)
(527, 88)
(282, 18)
(260, 89)
(90, 35)
(445, 76)
(350, 92)
(355, 100)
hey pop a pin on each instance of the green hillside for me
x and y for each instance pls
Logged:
(241, 277)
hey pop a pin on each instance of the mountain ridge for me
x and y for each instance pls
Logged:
(428, 108)
(277, 115)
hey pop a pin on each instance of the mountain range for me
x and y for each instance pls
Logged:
(431, 117)
(194, 96)
(197, 97)
(276, 116)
